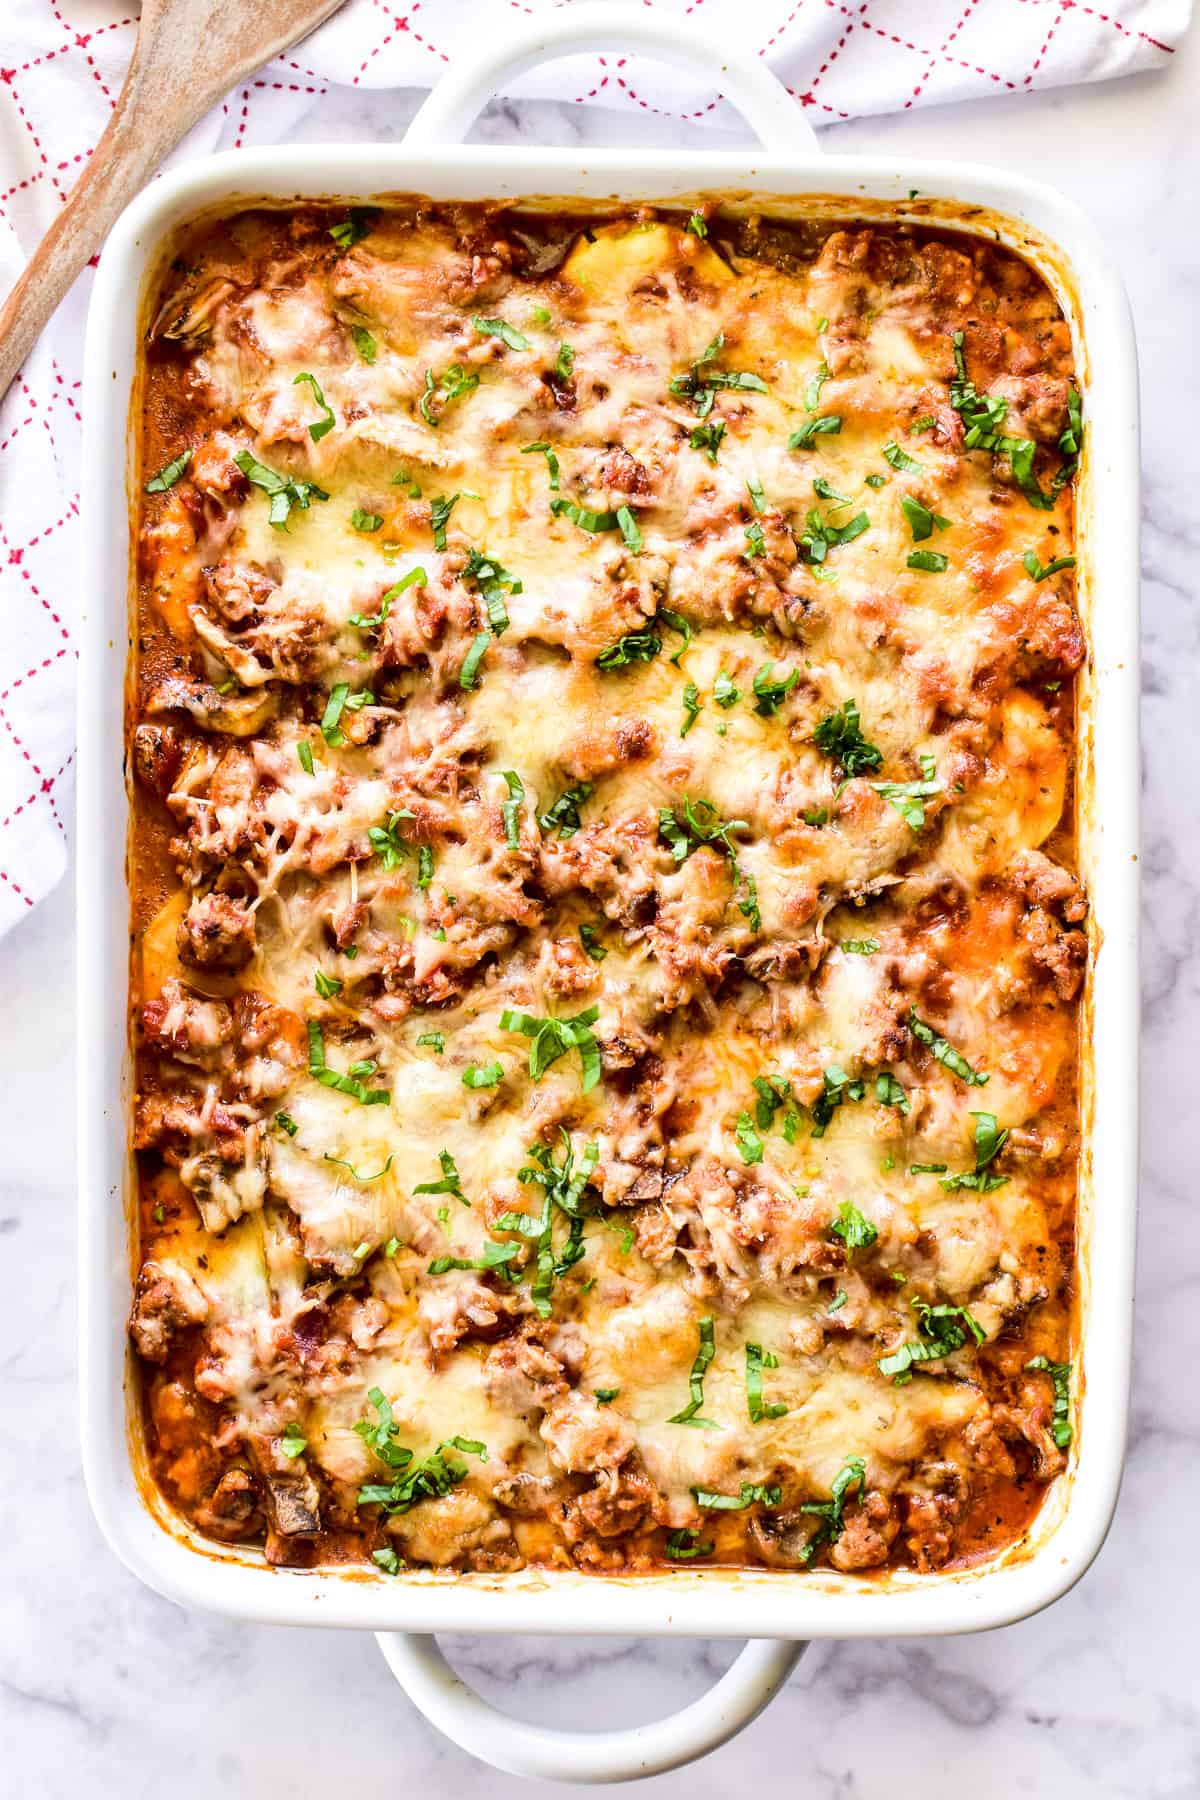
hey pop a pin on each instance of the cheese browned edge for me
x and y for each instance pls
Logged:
(677, 376)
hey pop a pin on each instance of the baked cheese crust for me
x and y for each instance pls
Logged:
(606, 947)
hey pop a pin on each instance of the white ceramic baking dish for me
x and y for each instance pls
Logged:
(777, 1608)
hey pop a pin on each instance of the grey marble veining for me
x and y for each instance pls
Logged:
(106, 1689)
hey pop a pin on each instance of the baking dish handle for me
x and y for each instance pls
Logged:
(746, 82)
(757, 1673)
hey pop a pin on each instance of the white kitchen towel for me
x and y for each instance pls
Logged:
(61, 65)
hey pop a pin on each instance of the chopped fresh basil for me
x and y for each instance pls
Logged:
(354, 227)
(683, 1545)
(758, 499)
(853, 1473)
(333, 1078)
(584, 516)
(365, 522)
(388, 1560)
(283, 491)
(774, 1091)
(286, 1123)
(343, 1164)
(824, 425)
(605, 1396)
(692, 707)
(452, 384)
(327, 985)
(817, 816)
(488, 1076)
(169, 474)
(697, 226)
(900, 459)
(552, 468)
(564, 363)
(748, 906)
(941, 1331)
(1060, 1375)
(449, 1182)
(342, 700)
(364, 343)
(629, 530)
(633, 647)
(675, 622)
(859, 946)
(983, 415)
(749, 1143)
(838, 1301)
(491, 579)
(551, 1038)
(931, 561)
(499, 328)
(704, 1355)
(989, 1141)
(416, 577)
(700, 824)
(304, 756)
(838, 1088)
(812, 393)
(770, 694)
(751, 1493)
(756, 543)
(424, 865)
(563, 1187)
(708, 438)
(511, 809)
(839, 737)
(387, 840)
(756, 1361)
(293, 1442)
(889, 1092)
(699, 387)
(922, 522)
(855, 1231)
(1038, 571)
(824, 491)
(468, 675)
(431, 1479)
(589, 939)
(495, 1256)
(440, 508)
(819, 536)
(327, 421)
(945, 1053)
(563, 815)
(909, 797)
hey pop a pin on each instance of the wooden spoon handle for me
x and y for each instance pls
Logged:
(188, 53)
(134, 143)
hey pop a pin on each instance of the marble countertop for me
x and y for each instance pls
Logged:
(106, 1688)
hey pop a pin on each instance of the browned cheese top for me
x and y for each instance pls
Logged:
(606, 947)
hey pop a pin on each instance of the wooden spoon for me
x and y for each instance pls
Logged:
(188, 54)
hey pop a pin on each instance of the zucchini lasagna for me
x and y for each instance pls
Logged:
(605, 948)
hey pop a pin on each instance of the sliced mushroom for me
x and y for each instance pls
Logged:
(187, 318)
(240, 715)
(226, 649)
(294, 1504)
